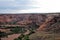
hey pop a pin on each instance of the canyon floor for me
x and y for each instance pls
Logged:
(30, 26)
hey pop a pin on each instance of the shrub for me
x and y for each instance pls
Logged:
(26, 37)
(3, 34)
(18, 30)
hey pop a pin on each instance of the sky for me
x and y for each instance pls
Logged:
(29, 6)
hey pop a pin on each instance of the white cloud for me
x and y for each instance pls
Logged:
(36, 10)
(44, 6)
(7, 0)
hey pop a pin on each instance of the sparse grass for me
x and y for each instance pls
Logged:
(44, 36)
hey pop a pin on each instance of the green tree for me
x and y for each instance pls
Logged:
(26, 37)
(15, 30)
(3, 34)
(18, 30)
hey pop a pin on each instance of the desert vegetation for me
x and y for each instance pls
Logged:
(30, 27)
